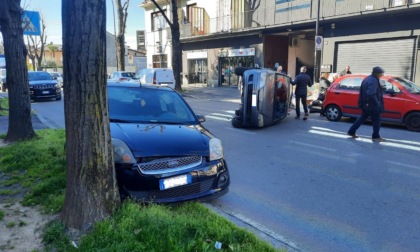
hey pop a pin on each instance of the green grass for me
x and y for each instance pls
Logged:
(4, 106)
(1, 215)
(38, 166)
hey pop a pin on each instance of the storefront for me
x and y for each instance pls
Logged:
(197, 67)
(231, 58)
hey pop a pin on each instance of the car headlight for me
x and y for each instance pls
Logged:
(57, 85)
(122, 154)
(216, 149)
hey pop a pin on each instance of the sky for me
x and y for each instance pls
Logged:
(51, 11)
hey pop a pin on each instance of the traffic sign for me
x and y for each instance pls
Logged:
(318, 43)
(31, 23)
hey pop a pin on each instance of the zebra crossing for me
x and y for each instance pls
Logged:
(226, 116)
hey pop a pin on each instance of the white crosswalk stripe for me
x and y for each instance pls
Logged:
(222, 117)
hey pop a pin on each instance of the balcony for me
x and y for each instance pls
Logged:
(288, 13)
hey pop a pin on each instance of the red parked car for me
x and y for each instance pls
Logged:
(401, 100)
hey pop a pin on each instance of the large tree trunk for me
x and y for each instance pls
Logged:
(20, 121)
(176, 47)
(91, 191)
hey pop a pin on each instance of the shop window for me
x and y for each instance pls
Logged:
(197, 70)
(160, 61)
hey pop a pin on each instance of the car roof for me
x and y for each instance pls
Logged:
(135, 84)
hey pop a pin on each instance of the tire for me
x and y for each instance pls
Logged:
(333, 113)
(412, 121)
(237, 122)
(58, 98)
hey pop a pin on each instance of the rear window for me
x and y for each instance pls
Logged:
(350, 84)
(129, 75)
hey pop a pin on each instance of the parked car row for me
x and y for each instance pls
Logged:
(147, 76)
(401, 100)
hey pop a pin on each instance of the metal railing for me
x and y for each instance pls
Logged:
(289, 13)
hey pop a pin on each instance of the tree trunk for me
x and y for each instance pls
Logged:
(176, 47)
(91, 191)
(120, 38)
(120, 52)
(20, 120)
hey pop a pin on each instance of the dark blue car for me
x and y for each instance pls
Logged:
(162, 153)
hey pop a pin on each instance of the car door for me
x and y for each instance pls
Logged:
(394, 100)
(347, 94)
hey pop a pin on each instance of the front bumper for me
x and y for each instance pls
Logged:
(208, 181)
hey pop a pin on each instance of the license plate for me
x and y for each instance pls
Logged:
(175, 181)
(45, 92)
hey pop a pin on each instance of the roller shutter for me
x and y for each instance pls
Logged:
(395, 56)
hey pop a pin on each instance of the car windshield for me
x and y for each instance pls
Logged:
(408, 85)
(143, 105)
(56, 75)
(35, 76)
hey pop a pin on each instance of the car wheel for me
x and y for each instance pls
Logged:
(412, 121)
(237, 122)
(58, 98)
(333, 113)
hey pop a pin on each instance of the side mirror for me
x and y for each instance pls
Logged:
(201, 118)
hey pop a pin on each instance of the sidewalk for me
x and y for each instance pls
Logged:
(36, 124)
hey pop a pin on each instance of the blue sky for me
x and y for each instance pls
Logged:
(51, 11)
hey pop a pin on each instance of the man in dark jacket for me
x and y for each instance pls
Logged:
(371, 102)
(302, 82)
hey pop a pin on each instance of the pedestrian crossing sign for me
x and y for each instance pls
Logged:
(31, 23)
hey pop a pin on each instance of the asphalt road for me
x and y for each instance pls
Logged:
(307, 186)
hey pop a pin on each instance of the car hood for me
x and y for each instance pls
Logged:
(37, 82)
(147, 140)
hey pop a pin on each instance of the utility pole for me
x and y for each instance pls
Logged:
(317, 51)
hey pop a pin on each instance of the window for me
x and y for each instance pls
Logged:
(397, 2)
(190, 12)
(351, 84)
(158, 21)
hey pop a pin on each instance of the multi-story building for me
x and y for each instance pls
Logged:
(218, 35)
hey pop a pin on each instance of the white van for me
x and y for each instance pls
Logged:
(155, 76)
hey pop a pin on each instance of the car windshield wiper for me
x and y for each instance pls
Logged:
(119, 120)
(165, 122)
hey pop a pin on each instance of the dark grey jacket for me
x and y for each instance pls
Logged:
(302, 82)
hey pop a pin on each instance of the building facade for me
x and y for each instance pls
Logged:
(217, 36)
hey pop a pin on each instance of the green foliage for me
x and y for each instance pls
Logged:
(55, 238)
(4, 106)
(39, 166)
(186, 227)
(11, 224)
(1, 215)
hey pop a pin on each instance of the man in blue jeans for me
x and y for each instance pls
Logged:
(302, 82)
(371, 102)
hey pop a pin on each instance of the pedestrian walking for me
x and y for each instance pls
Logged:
(302, 82)
(371, 102)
